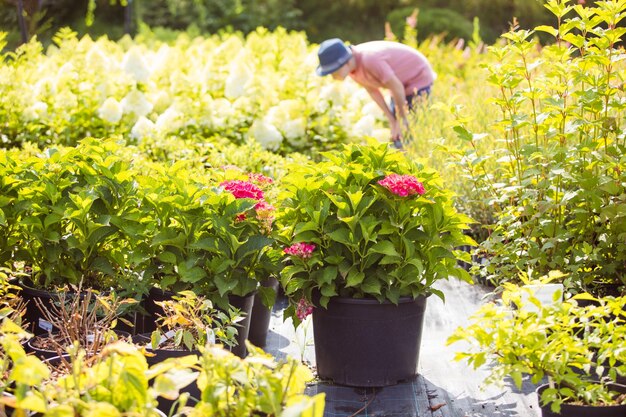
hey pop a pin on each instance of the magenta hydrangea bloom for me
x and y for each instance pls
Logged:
(243, 189)
(303, 309)
(402, 185)
(301, 250)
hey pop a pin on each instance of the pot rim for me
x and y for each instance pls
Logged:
(373, 301)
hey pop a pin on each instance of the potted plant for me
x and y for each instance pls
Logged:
(187, 322)
(367, 234)
(73, 215)
(82, 318)
(579, 349)
(113, 382)
(216, 241)
(258, 385)
(19, 372)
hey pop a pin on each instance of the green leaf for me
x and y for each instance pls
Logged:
(385, 247)
(354, 278)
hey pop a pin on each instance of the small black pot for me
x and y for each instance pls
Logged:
(244, 304)
(34, 319)
(159, 355)
(570, 410)
(261, 315)
(45, 354)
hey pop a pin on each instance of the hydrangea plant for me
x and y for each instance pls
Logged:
(367, 222)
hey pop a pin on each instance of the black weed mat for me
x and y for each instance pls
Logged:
(396, 401)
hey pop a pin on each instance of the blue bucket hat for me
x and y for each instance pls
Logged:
(333, 54)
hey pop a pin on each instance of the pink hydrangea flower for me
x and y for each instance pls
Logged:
(260, 179)
(304, 309)
(243, 189)
(402, 185)
(301, 250)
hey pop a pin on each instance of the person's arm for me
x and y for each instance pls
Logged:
(396, 88)
(378, 98)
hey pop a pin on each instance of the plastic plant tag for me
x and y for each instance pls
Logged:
(45, 325)
(210, 336)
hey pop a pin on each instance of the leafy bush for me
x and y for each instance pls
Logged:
(578, 348)
(558, 182)
(368, 223)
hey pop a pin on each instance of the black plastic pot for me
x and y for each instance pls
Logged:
(244, 304)
(159, 355)
(364, 343)
(45, 354)
(261, 315)
(34, 319)
(152, 309)
(571, 410)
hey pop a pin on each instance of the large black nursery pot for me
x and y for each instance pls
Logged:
(576, 410)
(261, 315)
(365, 343)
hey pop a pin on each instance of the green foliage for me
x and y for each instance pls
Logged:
(578, 348)
(205, 239)
(190, 321)
(212, 17)
(71, 214)
(368, 241)
(435, 21)
(556, 177)
(258, 384)
(114, 382)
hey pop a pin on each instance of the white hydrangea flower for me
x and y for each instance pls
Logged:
(96, 59)
(295, 132)
(36, 111)
(266, 134)
(288, 117)
(65, 100)
(161, 100)
(142, 129)
(237, 79)
(332, 93)
(372, 109)
(137, 103)
(382, 135)
(364, 127)
(222, 113)
(170, 120)
(111, 110)
(67, 74)
(135, 65)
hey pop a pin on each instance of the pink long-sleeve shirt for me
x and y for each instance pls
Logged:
(377, 61)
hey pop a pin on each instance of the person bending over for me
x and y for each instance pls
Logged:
(376, 65)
